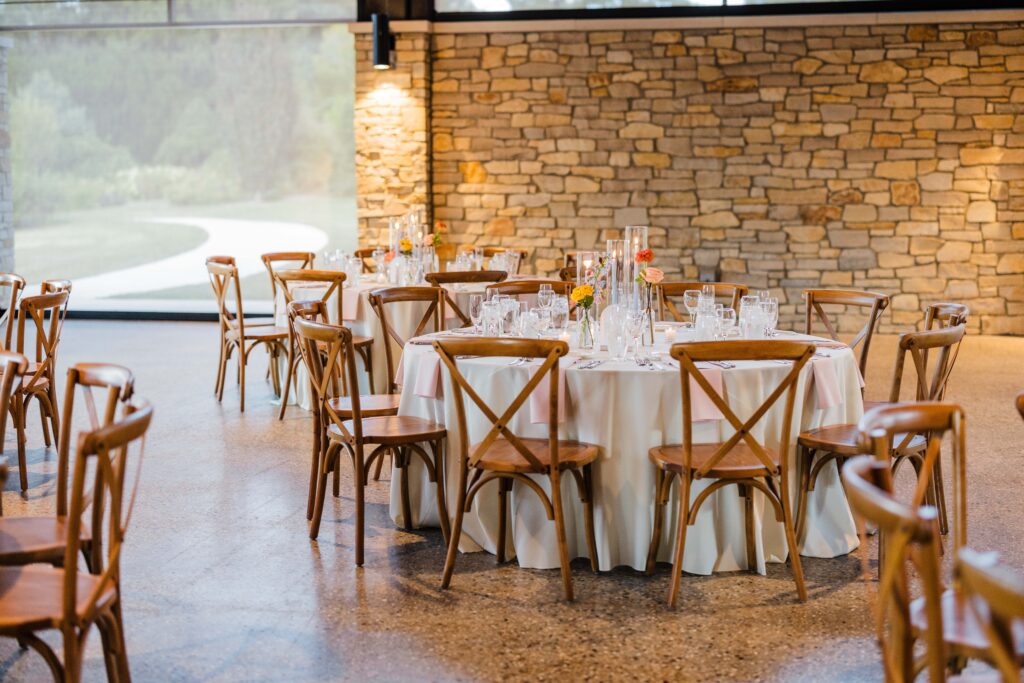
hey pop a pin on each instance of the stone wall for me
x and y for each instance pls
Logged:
(6, 198)
(888, 158)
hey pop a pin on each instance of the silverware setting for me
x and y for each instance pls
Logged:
(590, 364)
(722, 364)
(522, 361)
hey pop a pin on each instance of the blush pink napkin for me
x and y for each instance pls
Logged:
(826, 384)
(701, 406)
(539, 399)
(350, 303)
(428, 376)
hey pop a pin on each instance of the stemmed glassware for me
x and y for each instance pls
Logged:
(560, 313)
(691, 300)
(476, 311)
(545, 296)
(770, 312)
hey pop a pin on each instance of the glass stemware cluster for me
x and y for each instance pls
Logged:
(757, 319)
(496, 315)
(339, 260)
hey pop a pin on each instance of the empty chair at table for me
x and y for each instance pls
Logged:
(945, 314)
(453, 279)
(285, 260)
(44, 314)
(995, 596)
(670, 295)
(365, 255)
(41, 598)
(505, 457)
(236, 332)
(327, 285)
(422, 304)
(105, 390)
(328, 352)
(816, 448)
(741, 460)
(863, 308)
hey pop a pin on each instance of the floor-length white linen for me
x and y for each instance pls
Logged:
(626, 410)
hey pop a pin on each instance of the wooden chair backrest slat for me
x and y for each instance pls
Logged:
(875, 304)
(333, 280)
(105, 452)
(549, 351)
(224, 280)
(688, 354)
(45, 313)
(996, 597)
(910, 536)
(667, 291)
(919, 346)
(945, 314)
(327, 352)
(365, 254)
(16, 284)
(382, 299)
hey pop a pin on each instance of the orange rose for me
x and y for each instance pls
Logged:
(644, 256)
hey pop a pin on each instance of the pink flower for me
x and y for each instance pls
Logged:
(652, 275)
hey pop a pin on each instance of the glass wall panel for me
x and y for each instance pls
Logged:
(137, 153)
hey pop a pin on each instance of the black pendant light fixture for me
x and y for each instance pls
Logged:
(383, 42)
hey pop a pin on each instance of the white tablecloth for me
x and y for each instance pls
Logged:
(626, 410)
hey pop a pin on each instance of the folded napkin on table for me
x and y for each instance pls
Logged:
(428, 376)
(539, 399)
(701, 406)
(826, 383)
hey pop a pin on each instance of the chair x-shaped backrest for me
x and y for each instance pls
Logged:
(995, 595)
(667, 291)
(16, 285)
(45, 312)
(910, 536)
(876, 304)
(381, 299)
(327, 352)
(332, 280)
(365, 254)
(690, 354)
(941, 315)
(103, 455)
(550, 351)
(444, 280)
(83, 379)
(223, 279)
(274, 260)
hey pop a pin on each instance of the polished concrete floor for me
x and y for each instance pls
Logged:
(221, 582)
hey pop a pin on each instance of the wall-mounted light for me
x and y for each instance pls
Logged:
(383, 42)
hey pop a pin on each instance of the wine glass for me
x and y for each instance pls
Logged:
(748, 306)
(543, 320)
(691, 300)
(544, 296)
(764, 295)
(708, 291)
(635, 318)
(560, 313)
(476, 310)
(770, 310)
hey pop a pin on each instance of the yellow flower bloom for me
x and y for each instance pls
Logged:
(405, 245)
(582, 292)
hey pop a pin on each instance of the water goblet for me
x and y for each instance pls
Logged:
(691, 300)
(476, 311)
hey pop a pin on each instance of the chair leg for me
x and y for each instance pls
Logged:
(748, 517)
(109, 646)
(42, 419)
(504, 486)
(661, 480)
(377, 467)
(243, 360)
(794, 550)
(368, 364)
(287, 380)
(588, 513)
(327, 462)
(54, 414)
(221, 362)
(314, 466)
(940, 495)
(438, 449)
(677, 561)
(402, 460)
(456, 533)
(124, 672)
(336, 488)
(804, 459)
(360, 503)
(223, 373)
(20, 410)
(563, 546)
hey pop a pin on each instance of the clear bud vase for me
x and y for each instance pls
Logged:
(584, 329)
(648, 338)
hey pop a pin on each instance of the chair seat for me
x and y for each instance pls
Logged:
(843, 439)
(261, 332)
(32, 597)
(370, 405)
(361, 341)
(392, 430)
(502, 456)
(961, 628)
(739, 463)
(34, 539)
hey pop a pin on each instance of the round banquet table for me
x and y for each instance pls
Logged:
(362, 320)
(625, 410)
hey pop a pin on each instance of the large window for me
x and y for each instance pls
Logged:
(527, 5)
(136, 153)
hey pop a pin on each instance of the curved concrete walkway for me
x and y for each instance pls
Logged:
(246, 240)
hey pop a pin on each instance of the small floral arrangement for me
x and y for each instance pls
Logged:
(432, 240)
(583, 296)
(652, 276)
(648, 276)
(405, 247)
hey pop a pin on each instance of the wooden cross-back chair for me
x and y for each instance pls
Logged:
(25, 540)
(569, 261)
(493, 251)
(740, 460)
(945, 314)
(16, 285)
(816, 448)
(333, 281)
(40, 598)
(365, 254)
(567, 274)
(910, 536)
(872, 303)
(327, 351)
(51, 286)
(503, 456)
(668, 291)
(281, 260)
(995, 596)
(453, 278)
(431, 321)
(237, 333)
(44, 313)
(12, 366)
